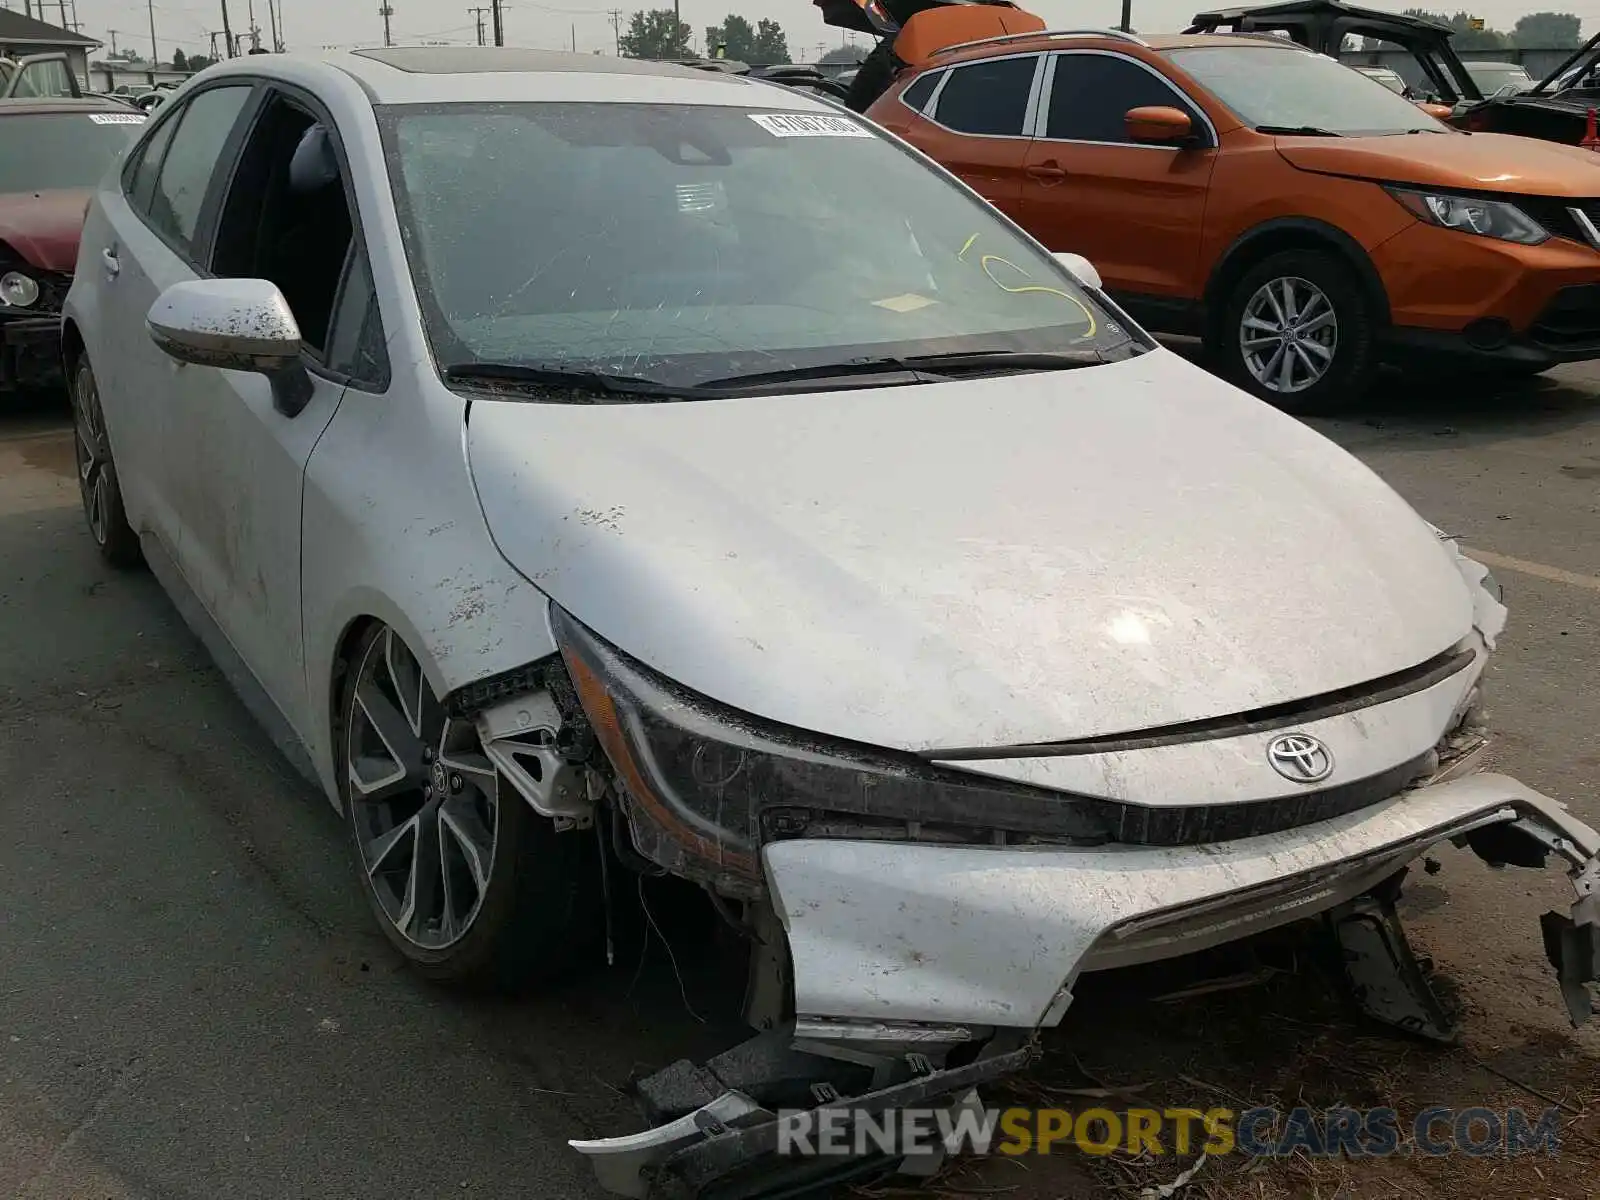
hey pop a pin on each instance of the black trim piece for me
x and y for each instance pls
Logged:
(1260, 720)
(1169, 314)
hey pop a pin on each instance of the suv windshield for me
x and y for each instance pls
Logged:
(44, 151)
(1282, 88)
(681, 244)
(1491, 77)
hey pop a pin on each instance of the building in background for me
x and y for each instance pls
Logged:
(21, 36)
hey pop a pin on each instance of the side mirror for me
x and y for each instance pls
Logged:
(1158, 123)
(237, 325)
(1080, 267)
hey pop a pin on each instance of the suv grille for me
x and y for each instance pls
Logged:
(1553, 212)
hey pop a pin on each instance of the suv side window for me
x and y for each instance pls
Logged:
(1091, 92)
(917, 95)
(987, 97)
(191, 161)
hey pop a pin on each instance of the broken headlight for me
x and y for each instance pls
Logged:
(705, 786)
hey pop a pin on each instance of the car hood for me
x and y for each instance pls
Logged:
(44, 227)
(1479, 162)
(989, 563)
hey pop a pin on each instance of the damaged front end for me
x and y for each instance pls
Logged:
(917, 919)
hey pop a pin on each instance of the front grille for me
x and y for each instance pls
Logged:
(1198, 824)
(1554, 213)
(1571, 320)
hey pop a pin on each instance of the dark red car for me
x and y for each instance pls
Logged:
(52, 153)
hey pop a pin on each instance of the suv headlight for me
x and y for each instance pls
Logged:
(1470, 214)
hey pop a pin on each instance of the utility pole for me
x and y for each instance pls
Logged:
(113, 33)
(255, 30)
(386, 11)
(150, 8)
(574, 37)
(227, 30)
(499, 23)
(478, 14)
(215, 57)
(1127, 16)
(272, 20)
(616, 28)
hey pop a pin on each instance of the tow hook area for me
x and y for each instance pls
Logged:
(728, 1129)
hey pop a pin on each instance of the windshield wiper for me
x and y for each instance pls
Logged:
(1302, 130)
(566, 379)
(923, 368)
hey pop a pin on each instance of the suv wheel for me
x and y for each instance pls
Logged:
(1297, 331)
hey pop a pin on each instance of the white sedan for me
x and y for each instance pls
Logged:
(587, 466)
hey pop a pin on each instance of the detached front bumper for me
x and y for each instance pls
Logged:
(901, 953)
(997, 936)
(30, 352)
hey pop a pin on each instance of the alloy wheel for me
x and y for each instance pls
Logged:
(92, 450)
(1288, 335)
(424, 799)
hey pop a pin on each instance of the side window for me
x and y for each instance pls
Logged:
(191, 161)
(356, 341)
(286, 218)
(918, 94)
(139, 178)
(1091, 93)
(988, 97)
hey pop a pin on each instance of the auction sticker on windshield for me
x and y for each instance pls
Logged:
(809, 125)
(118, 118)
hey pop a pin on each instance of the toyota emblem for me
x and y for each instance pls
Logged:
(1300, 757)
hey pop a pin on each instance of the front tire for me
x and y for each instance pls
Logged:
(468, 882)
(1297, 330)
(97, 475)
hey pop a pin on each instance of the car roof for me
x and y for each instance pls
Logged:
(32, 106)
(500, 74)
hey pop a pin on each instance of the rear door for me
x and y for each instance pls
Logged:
(1133, 209)
(143, 241)
(976, 122)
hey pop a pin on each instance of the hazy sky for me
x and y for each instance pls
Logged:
(313, 24)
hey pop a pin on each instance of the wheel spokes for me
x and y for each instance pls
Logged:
(473, 840)
(377, 780)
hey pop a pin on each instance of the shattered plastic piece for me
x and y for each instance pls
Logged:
(1384, 975)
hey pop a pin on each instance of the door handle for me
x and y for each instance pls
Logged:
(1049, 169)
(108, 259)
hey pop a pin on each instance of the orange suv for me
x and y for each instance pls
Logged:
(1304, 220)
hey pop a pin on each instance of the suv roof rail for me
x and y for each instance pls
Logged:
(1045, 34)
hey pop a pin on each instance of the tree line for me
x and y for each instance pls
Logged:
(658, 33)
(1533, 31)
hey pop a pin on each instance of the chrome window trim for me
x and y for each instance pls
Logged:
(938, 84)
(1042, 116)
(1029, 114)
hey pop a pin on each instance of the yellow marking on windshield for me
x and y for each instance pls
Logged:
(967, 245)
(909, 302)
(1035, 287)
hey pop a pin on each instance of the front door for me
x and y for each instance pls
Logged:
(1135, 210)
(243, 474)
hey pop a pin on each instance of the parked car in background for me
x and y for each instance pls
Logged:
(1390, 79)
(1304, 220)
(52, 153)
(1494, 78)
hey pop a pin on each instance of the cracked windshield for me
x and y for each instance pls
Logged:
(682, 244)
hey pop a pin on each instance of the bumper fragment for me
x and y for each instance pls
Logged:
(732, 1147)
